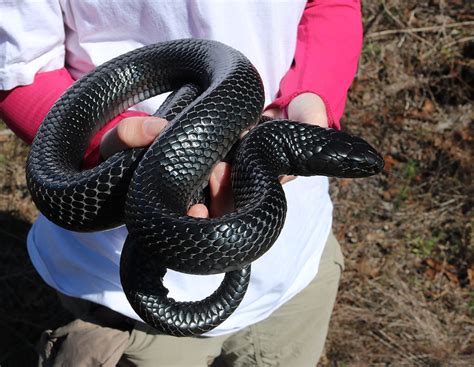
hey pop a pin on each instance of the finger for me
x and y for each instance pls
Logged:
(285, 179)
(131, 132)
(274, 113)
(198, 211)
(222, 200)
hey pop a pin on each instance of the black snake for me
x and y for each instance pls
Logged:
(218, 94)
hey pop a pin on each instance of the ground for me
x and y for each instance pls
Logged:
(407, 293)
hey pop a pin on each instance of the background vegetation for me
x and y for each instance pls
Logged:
(407, 294)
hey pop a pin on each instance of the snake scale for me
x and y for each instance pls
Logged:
(218, 94)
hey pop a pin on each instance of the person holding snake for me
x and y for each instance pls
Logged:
(306, 54)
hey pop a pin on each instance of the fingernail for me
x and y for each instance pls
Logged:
(153, 126)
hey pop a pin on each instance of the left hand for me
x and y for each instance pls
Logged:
(134, 132)
(306, 107)
(139, 131)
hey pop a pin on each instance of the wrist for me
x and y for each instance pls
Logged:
(308, 108)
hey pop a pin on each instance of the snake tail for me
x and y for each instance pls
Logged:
(148, 296)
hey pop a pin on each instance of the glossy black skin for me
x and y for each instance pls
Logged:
(151, 189)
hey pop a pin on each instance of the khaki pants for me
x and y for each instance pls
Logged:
(293, 335)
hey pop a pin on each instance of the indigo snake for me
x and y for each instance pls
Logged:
(217, 94)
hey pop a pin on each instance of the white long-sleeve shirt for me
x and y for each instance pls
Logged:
(82, 34)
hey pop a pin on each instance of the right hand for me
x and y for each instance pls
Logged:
(306, 107)
(141, 131)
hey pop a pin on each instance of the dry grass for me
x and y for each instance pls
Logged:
(407, 295)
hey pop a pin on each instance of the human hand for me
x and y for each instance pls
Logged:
(140, 131)
(306, 107)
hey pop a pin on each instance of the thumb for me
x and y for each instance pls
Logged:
(131, 132)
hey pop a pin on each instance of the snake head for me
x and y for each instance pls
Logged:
(343, 155)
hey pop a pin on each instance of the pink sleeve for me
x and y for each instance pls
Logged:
(24, 108)
(327, 52)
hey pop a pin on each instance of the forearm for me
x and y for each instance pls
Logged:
(326, 57)
(25, 107)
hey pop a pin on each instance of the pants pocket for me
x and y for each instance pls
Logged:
(332, 253)
(338, 256)
(82, 343)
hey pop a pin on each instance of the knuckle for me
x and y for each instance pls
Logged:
(127, 131)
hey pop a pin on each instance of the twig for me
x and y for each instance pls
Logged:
(398, 21)
(382, 338)
(460, 40)
(371, 23)
(6, 132)
(447, 46)
(436, 104)
(420, 29)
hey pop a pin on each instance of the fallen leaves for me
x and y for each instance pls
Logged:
(470, 276)
(390, 162)
(365, 268)
(436, 267)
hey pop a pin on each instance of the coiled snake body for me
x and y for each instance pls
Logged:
(219, 94)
